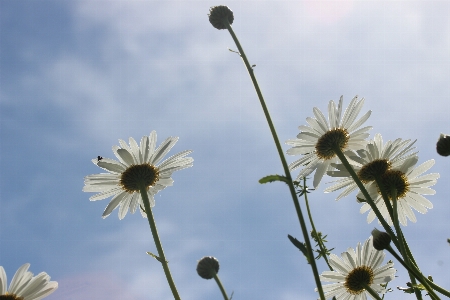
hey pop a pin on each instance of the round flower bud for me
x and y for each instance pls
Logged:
(218, 14)
(207, 267)
(443, 145)
(381, 240)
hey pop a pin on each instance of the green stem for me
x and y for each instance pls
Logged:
(401, 240)
(320, 243)
(161, 256)
(372, 292)
(385, 197)
(438, 288)
(415, 272)
(397, 225)
(282, 158)
(222, 289)
(369, 200)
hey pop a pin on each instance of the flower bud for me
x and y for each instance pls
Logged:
(207, 267)
(443, 145)
(381, 240)
(219, 14)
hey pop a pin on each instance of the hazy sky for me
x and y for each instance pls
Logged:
(76, 76)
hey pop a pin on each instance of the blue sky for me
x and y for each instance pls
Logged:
(76, 76)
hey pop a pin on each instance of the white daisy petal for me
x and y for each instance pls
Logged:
(3, 282)
(134, 150)
(115, 201)
(311, 137)
(143, 149)
(134, 203)
(421, 169)
(320, 171)
(321, 118)
(126, 156)
(135, 160)
(303, 149)
(125, 205)
(112, 166)
(151, 145)
(319, 127)
(105, 194)
(421, 200)
(163, 149)
(361, 121)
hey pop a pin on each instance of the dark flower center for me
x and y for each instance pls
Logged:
(332, 138)
(10, 297)
(139, 175)
(374, 169)
(357, 279)
(397, 180)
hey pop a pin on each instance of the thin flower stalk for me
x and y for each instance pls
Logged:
(226, 23)
(402, 241)
(222, 289)
(363, 190)
(161, 257)
(385, 198)
(320, 243)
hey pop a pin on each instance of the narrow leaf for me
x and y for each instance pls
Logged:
(272, 178)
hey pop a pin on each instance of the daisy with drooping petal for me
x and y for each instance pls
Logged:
(410, 187)
(24, 286)
(318, 141)
(138, 165)
(371, 162)
(355, 270)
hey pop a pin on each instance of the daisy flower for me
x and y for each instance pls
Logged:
(410, 186)
(355, 270)
(137, 166)
(371, 162)
(318, 141)
(24, 286)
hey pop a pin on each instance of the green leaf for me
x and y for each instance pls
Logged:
(411, 287)
(155, 257)
(301, 246)
(272, 178)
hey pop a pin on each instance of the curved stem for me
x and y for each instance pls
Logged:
(222, 289)
(397, 225)
(385, 197)
(320, 243)
(161, 256)
(282, 158)
(363, 190)
(415, 272)
(438, 288)
(401, 240)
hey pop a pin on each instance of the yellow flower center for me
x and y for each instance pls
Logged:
(139, 175)
(374, 169)
(332, 138)
(394, 180)
(357, 279)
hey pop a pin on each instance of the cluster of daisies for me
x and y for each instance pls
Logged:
(381, 167)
